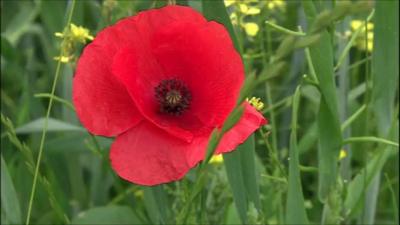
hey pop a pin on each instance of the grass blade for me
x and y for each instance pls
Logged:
(53, 125)
(330, 137)
(9, 200)
(155, 202)
(385, 63)
(364, 178)
(295, 211)
(234, 170)
(247, 153)
(107, 215)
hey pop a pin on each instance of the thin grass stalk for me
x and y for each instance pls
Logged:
(43, 138)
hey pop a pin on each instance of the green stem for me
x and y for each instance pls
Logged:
(284, 102)
(284, 30)
(353, 117)
(370, 139)
(56, 98)
(359, 62)
(394, 203)
(353, 38)
(310, 64)
(43, 138)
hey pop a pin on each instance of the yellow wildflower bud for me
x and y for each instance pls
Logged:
(63, 59)
(251, 29)
(355, 24)
(256, 103)
(364, 34)
(138, 194)
(229, 2)
(59, 34)
(234, 18)
(370, 46)
(80, 34)
(253, 11)
(273, 4)
(243, 8)
(342, 154)
(216, 159)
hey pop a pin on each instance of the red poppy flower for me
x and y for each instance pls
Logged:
(160, 82)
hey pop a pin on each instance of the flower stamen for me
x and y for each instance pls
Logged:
(173, 96)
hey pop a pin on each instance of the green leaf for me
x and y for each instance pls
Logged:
(232, 216)
(295, 210)
(21, 21)
(107, 215)
(54, 125)
(385, 70)
(7, 50)
(385, 63)
(234, 172)
(357, 186)
(155, 203)
(9, 200)
(329, 146)
(330, 137)
(250, 177)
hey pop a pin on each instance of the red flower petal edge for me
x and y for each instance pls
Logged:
(161, 81)
(147, 155)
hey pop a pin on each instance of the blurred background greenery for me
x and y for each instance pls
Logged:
(350, 56)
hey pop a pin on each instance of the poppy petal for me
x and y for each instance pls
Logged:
(102, 103)
(204, 57)
(133, 68)
(250, 122)
(137, 68)
(192, 53)
(147, 155)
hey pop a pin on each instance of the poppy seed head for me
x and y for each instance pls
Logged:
(173, 96)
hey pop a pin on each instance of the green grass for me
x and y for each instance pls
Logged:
(322, 94)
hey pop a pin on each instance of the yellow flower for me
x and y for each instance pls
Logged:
(355, 24)
(138, 193)
(249, 10)
(256, 103)
(229, 2)
(253, 11)
(342, 154)
(75, 34)
(234, 18)
(216, 159)
(274, 4)
(80, 33)
(368, 34)
(63, 59)
(243, 8)
(251, 29)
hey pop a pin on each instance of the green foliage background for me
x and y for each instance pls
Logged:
(321, 95)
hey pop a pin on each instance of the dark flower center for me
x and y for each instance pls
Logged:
(173, 95)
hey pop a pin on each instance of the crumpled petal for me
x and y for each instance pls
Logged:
(148, 155)
(251, 120)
